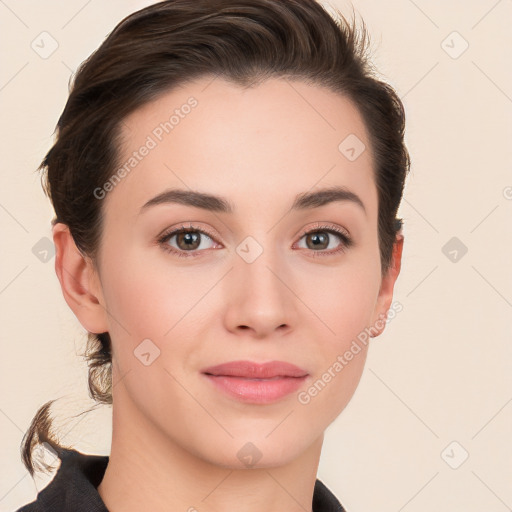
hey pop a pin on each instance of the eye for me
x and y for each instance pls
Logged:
(320, 238)
(188, 239)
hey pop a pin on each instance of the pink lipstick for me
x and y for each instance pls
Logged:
(256, 383)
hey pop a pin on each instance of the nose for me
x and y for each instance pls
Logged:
(259, 297)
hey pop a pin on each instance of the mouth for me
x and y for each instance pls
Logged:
(256, 383)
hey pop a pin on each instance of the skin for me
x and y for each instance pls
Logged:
(175, 436)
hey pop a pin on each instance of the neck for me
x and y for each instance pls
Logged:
(149, 471)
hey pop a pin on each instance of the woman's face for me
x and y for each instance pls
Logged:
(248, 283)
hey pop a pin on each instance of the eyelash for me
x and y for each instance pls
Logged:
(346, 241)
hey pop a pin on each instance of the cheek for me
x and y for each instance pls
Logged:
(343, 309)
(342, 303)
(159, 303)
(147, 300)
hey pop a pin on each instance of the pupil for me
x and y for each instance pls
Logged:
(190, 239)
(318, 239)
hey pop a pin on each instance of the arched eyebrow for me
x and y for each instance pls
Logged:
(219, 204)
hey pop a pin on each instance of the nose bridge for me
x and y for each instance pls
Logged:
(259, 263)
(259, 297)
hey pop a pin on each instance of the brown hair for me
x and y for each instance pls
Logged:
(170, 43)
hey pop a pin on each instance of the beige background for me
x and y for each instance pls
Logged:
(441, 370)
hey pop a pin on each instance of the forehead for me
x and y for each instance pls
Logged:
(279, 138)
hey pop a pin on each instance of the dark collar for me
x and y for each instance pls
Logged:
(74, 487)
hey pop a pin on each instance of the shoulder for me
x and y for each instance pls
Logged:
(74, 486)
(31, 507)
(324, 500)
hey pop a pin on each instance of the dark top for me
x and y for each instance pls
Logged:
(74, 488)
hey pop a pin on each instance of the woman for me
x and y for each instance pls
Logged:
(226, 178)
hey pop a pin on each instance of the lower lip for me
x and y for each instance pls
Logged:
(257, 391)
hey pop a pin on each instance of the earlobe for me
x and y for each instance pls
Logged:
(79, 283)
(386, 290)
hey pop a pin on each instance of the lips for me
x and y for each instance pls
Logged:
(252, 370)
(256, 383)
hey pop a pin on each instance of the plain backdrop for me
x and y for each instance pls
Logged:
(429, 427)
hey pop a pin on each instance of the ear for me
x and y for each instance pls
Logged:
(386, 289)
(79, 281)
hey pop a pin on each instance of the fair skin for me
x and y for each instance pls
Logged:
(175, 436)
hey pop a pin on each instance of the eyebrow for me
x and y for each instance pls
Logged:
(304, 201)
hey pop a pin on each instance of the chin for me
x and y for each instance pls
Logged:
(259, 452)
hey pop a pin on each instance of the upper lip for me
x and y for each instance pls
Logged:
(250, 369)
